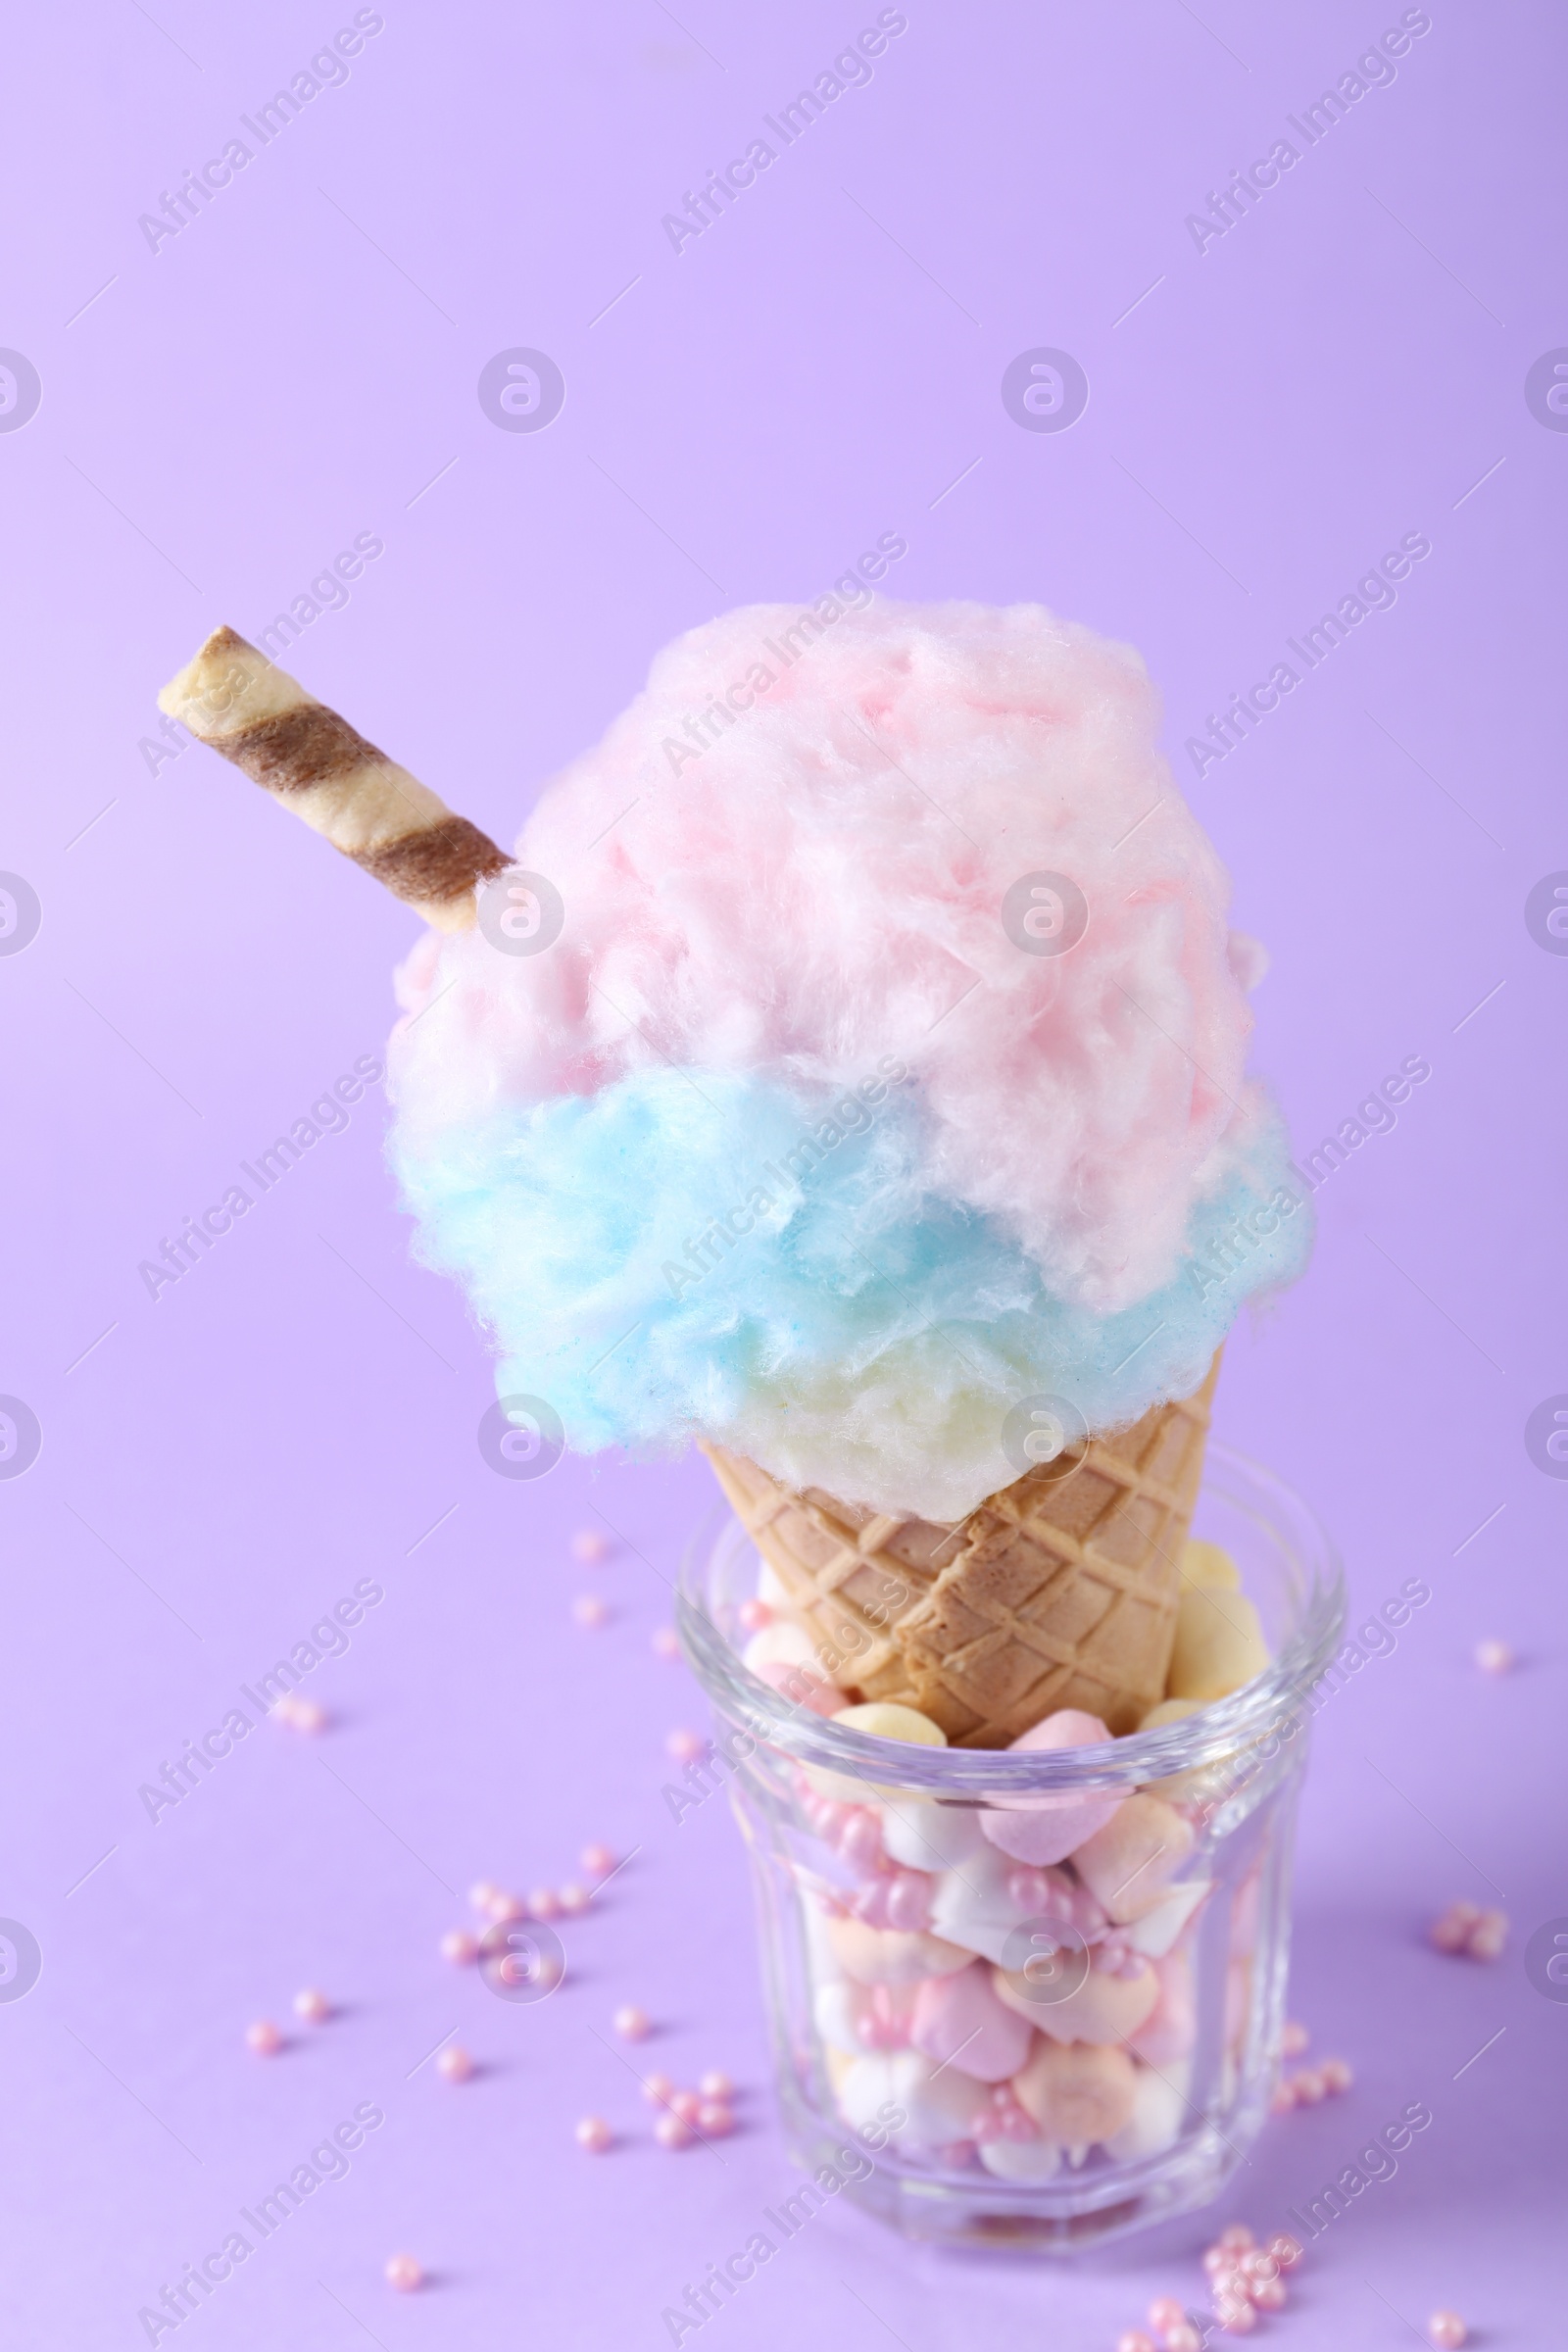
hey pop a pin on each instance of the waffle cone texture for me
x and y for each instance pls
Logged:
(1059, 1590)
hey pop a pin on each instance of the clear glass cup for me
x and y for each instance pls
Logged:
(1121, 2012)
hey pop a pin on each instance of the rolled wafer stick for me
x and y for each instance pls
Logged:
(235, 700)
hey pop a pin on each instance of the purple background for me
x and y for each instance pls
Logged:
(218, 418)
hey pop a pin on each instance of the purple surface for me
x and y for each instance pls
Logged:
(1345, 365)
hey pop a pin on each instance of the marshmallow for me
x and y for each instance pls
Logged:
(938, 2107)
(1021, 2158)
(1159, 2110)
(1130, 1862)
(923, 1835)
(1169, 1710)
(1103, 2009)
(1170, 2030)
(802, 1686)
(973, 1906)
(1207, 1564)
(855, 2019)
(959, 2022)
(1159, 1929)
(1077, 2097)
(770, 1586)
(1046, 1829)
(784, 1643)
(885, 1956)
(880, 1719)
(1219, 1643)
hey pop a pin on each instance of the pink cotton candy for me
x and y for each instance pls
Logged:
(823, 879)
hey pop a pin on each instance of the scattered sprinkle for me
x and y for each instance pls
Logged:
(670, 2132)
(405, 2274)
(590, 1546)
(685, 1747)
(597, 1860)
(455, 2064)
(1494, 1657)
(631, 2023)
(590, 1611)
(594, 2134)
(666, 1641)
(459, 1947)
(312, 2006)
(263, 2038)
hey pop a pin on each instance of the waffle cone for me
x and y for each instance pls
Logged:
(1059, 1590)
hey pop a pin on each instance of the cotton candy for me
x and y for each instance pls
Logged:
(789, 1139)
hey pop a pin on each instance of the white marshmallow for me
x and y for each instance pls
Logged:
(784, 1643)
(929, 1836)
(937, 2107)
(1159, 2110)
(971, 1905)
(1020, 2159)
(1158, 1930)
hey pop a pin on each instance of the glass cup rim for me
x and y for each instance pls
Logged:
(980, 1775)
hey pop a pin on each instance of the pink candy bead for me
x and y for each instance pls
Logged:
(1494, 1657)
(588, 1546)
(1135, 2340)
(263, 2038)
(685, 2104)
(1307, 2086)
(597, 1860)
(753, 1616)
(455, 2065)
(482, 1894)
(1164, 2314)
(664, 1642)
(672, 2133)
(590, 1611)
(459, 1947)
(1183, 2337)
(715, 2120)
(1294, 2039)
(501, 1906)
(1286, 2250)
(1282, 2099)
(1236, 2236)
(542, 1904)
(715, 2085)
(594, 2134)
(1236, 2317)
(405, 2274)
(657, 2089)
(572, 1899)
(860, 1840)
(631, 2023)
(1336, 2075)
(1489, 1935)
(685, 1747)
(1447, 2331)
(1268, 2293)
(312, 2006)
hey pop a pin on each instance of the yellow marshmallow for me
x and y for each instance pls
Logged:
(1207, 1564)
(1219, 1643)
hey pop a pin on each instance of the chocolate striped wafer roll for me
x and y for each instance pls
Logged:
(235, 699)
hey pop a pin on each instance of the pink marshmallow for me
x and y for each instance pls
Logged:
(801, 1687)
(1041, 1830)
(960, 2023)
